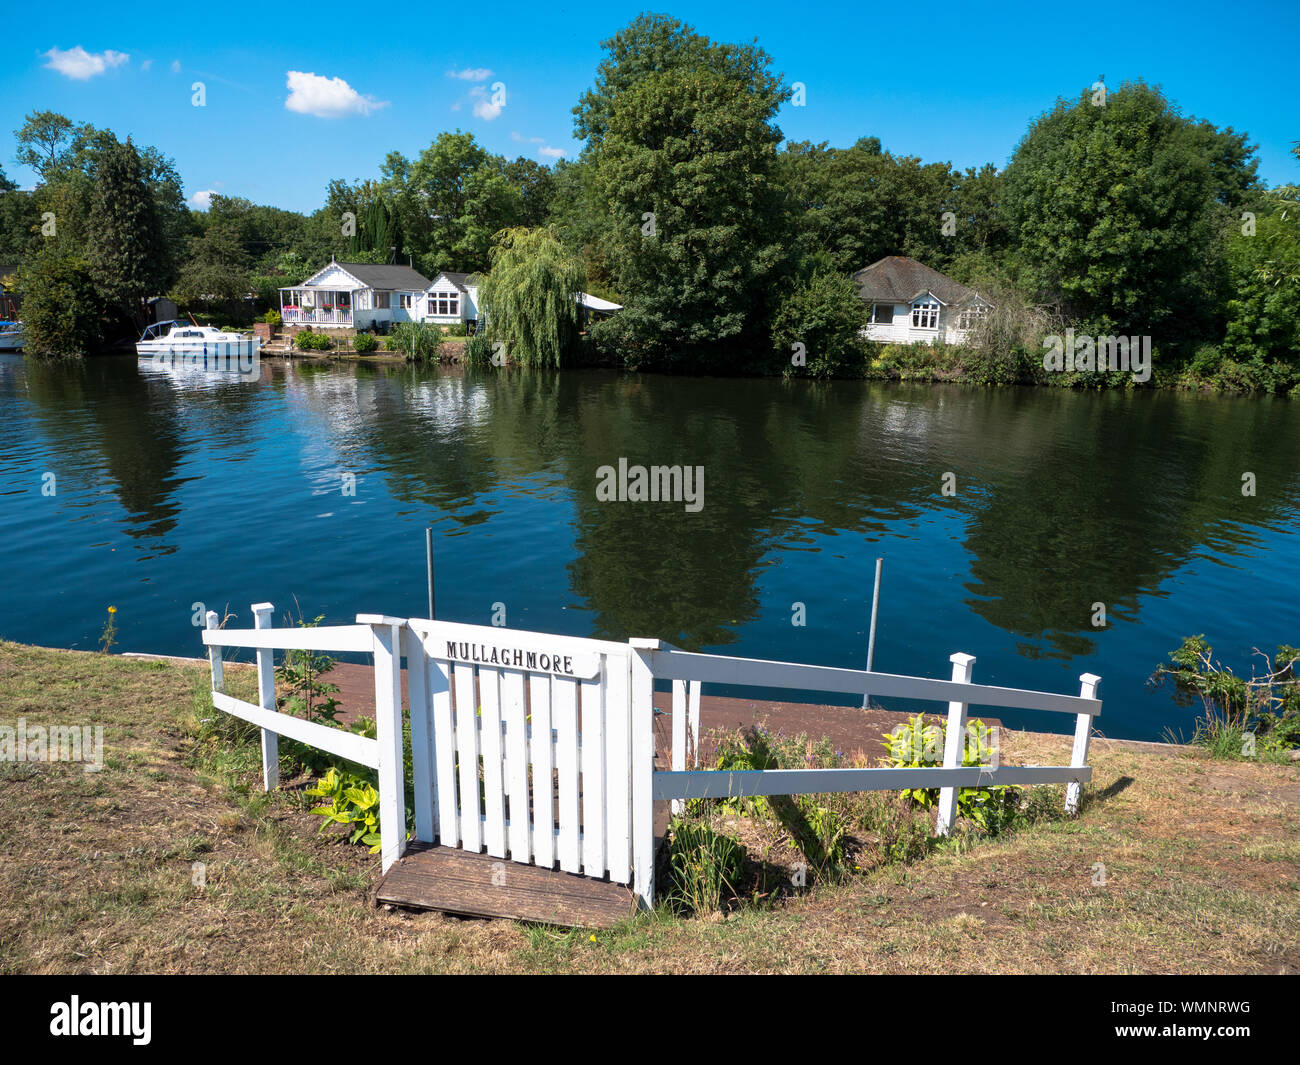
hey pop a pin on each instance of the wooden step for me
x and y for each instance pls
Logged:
(430, 877)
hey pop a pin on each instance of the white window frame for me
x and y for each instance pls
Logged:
(876, 321)
(925, 313)
(972, 316)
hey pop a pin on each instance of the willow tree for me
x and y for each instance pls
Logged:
(530, 296)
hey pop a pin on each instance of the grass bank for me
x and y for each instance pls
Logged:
(1201, 857)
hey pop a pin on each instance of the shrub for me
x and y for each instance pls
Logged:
(272, 317)
(918, 744)
(826, 316)
(313, 342)
(477, 351)
(418, 341)
(364, 343)
(705, 866)
(1241, 716)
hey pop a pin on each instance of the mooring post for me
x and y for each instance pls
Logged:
(428, 565)
(871, 637)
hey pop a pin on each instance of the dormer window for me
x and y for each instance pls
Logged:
(925, 314)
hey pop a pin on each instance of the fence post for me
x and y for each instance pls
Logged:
(954, 740)
(693, 721)
(214, 656)
(417, 676)
(679, 736)
(1082, 734)
(388, 731)
(262, 617)
(642, 770)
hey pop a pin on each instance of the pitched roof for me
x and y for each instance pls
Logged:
(376, 276)
(899, 279)
(459, 280)
(382, 277)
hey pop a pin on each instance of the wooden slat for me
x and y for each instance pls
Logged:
(454, 881)
(494, 795)
(512, 710)
(618, 770)
(266, 698)
(320, 638)
(471, 828)
(679, 734)
(593, 775)
(388, 730)
(417, 673)
(717, 783)
(337, 741)
(539, 698)
(642, 774)
(693, 722)
(444, 754)
(564, 697)
(759, 673)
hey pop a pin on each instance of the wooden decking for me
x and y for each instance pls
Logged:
(430, 877)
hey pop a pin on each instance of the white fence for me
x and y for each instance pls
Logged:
(540, 748)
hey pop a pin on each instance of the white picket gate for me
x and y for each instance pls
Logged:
(540, 748)
(521, 743)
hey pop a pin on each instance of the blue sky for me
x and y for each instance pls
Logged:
(947, 82)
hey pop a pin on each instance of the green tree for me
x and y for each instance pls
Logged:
(216, 268)
(683, 150)
(1115, 211)
(129, 259)
(825, 316)
(61, 308)
(531, 295)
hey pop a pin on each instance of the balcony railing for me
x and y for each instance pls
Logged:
(316, 316)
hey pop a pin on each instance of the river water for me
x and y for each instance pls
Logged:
(156, 491)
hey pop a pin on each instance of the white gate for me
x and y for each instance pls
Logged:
(521, 745)
(540, 749)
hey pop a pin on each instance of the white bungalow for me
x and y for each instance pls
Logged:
(450, 299)
(354, 296)
(911, 302)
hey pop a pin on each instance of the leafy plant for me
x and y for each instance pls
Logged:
(1265, 706)
(364, 343)
(918, 744)
(353, 802)
(301, 670)
(418, 341)
(705, 865)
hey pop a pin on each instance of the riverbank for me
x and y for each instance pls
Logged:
(170, 859)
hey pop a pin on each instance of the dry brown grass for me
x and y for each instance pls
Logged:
(1202, 864)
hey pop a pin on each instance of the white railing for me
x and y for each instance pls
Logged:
(314, 316)
(541, 749)
(372, 634)
(654, 660)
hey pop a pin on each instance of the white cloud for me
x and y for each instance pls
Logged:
(315, 94)
(471, 74)
(80, 65)
(551, 153)
(487, 107)
(176, 66)
(515, 135)
(146, 64)
(202, 199)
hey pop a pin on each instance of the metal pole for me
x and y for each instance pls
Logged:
(428, 562)
(871, 638)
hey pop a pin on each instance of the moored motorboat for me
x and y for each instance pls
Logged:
(179, 338)
(11, 336)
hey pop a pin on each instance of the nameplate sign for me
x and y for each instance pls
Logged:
(506, 654)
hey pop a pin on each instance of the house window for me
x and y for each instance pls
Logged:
(972, 315)
(925, 314)
(404, 301)
(382, 301)
(882, 314)
(444, 304)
